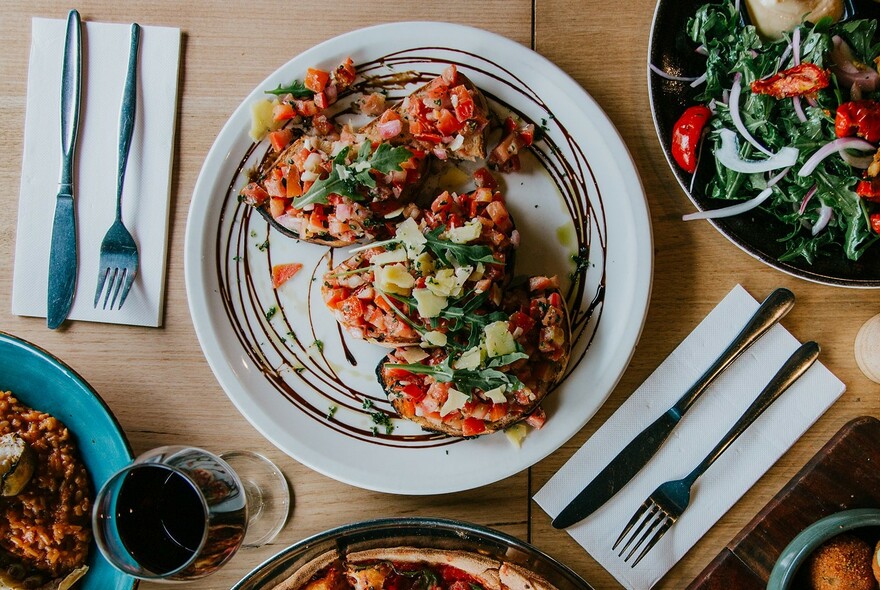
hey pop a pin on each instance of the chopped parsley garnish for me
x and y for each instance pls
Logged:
(331, 411)
(262, 247)
(581, 262)
(270, 313)
(319, 345)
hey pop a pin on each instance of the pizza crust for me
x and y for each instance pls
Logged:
(301, 577)
(515, 577)
(492, 573)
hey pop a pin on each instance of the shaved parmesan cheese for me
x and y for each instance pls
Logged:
(516, 434)
(413, 354)
(478, 272)
(433, 339)
(262, 119)
(499, 340)
(424, 264)
(470, 359)
(394, 279)
(409, 233)
(468, 232)
(455, 401)
(394, 213)
(442, 283)
(428, 304)
(496, 395)
(389, 256)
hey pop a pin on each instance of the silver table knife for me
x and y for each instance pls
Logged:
(645, 445)
(62, 253)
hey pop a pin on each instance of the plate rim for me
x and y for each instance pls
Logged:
(803, 274)
(639, 218)
(7, 338)
(390, 523)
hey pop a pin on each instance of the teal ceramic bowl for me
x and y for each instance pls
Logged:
(796, 552)
(45, 383)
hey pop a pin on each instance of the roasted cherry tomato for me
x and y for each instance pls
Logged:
(869, 189)
(805, 78)
(686, 136)
(875, 222)
(858, 117)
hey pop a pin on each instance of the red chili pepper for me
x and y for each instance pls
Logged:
(875, 222)
(686, 136)
(804, 79)
(858, 117)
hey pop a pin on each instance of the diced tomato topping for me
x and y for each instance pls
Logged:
(397, 373)
(322, 101)
(521, 320)
(537, 418)
(869, 189)
(414, 392)
(279, 139)
(382, 303)
(275, 184)
(283, 111)
(407, 408)
(499, 215)
(316, 80)
(541, 283)
(306, 108)
(447, 124)
(277, 205)
(254, 194)
(334, 296)
(450, 74)
(555, 299)
(498, 412)
(323, 125)
(484, 178)
(875, 222)
(281, 273)
(293, 186)
(464, 103)
(352, 310)
(345, 74)
(472, 426)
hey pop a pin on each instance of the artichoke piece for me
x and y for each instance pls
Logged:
(17, 464)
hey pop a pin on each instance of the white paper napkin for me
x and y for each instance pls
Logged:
(698, 432)
(146, 196)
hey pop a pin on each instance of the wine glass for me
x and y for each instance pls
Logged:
(179, 513)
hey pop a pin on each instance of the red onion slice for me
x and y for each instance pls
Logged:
(798, 109)
(733, 209)
(807, 198)
(825, 213)
(796, 46)
(735, 92)
(672, 77)
(843, 143)
(700, 80)
(728, 155)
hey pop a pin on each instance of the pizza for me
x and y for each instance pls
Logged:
(412, 568)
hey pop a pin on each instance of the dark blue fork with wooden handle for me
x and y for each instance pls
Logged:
(119, 254)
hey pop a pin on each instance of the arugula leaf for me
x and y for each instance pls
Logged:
(348, 180)
(465, 380)
(450, 253)
(296, 88)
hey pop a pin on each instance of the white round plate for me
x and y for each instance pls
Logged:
(279, 354)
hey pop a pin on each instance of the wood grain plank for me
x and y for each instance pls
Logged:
(157, 380)
(604, 48)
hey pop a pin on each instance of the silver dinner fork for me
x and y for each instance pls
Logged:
(667, 503)
(119, 254)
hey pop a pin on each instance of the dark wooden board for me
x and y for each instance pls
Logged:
(844, 474)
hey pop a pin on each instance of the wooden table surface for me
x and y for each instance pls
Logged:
(158, 382)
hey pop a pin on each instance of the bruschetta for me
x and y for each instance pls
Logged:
(442, 263)
(491, 381)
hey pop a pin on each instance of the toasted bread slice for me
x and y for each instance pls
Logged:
(493, 385)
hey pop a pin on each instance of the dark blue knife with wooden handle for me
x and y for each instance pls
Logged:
(62, 253)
